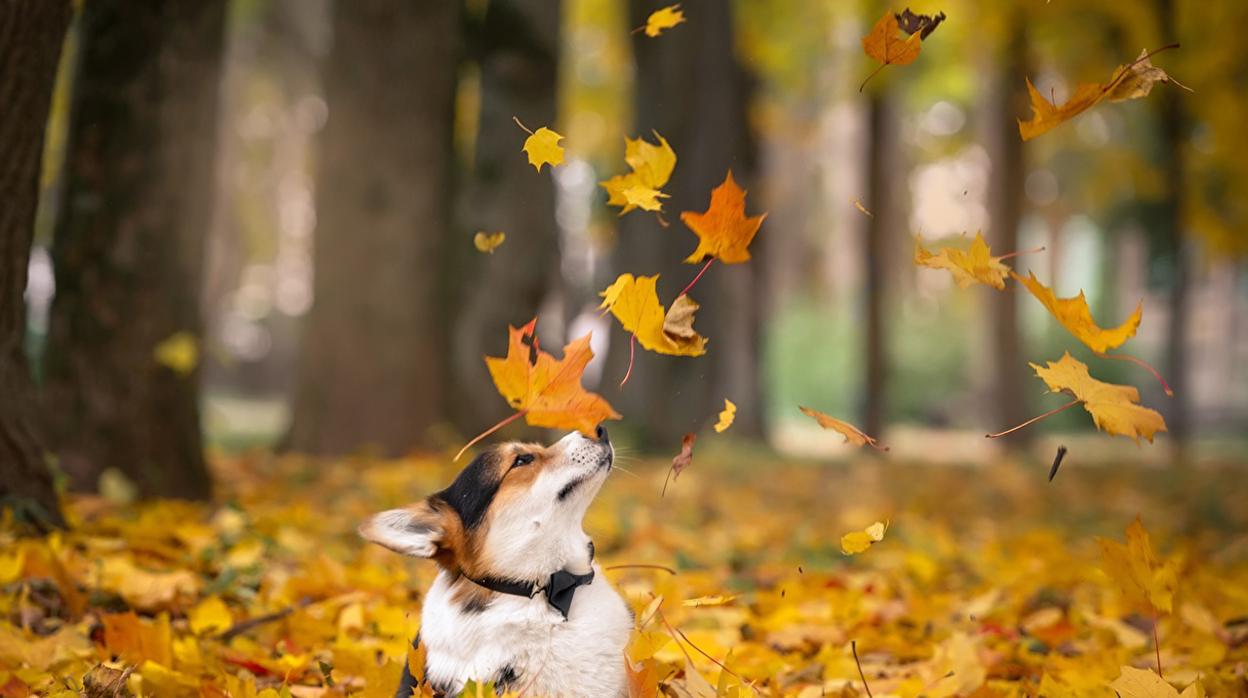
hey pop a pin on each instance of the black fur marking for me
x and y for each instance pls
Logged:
(473, 490)
(569, 488)
(507, 676)
(476, 605)
(592, 551)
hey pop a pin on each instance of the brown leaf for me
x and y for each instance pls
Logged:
(682, 460)
(910, 23)
(678, 323)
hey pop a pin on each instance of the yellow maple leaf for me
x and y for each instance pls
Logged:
(1076, 317)
(210, 616)
(651, 165)
(1130, 81)
(1146, 583)
(855, 542)
(852, 434)
(488, 242)
(1141, 683)
(665, 18)
(1115, 409)
(542, 147)
(179, 352)
(968, 267)
(726, 417)
(723, 230)
(548, 391)
(634, 301)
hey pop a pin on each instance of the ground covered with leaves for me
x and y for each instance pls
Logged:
(988, 581)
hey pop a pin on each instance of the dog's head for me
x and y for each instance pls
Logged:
(514, 512)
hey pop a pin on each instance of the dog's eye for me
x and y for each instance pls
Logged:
(522, 459)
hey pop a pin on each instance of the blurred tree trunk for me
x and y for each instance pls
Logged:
(515, 47)
(31, 34)
(128, 246)
(694, 92)
(875, 248)
(373, 369)
(1174, 176)
(1005, 100)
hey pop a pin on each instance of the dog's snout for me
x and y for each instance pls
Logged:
(603, 437)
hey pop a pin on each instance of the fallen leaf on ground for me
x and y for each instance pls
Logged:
(726, 416)
(652, 165)
(548, 391)
(968, 267)
(665, 18)
(713, 600)
(488, 242)
(634, 301)
(852, 434)
(1147, 584)
(1076, 317)
(855, 542)
(724, 231)
(1115, 409)
(1142, 683)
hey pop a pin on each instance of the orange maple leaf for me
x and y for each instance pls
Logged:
(853, 435)
(724, 231)
(544, 390)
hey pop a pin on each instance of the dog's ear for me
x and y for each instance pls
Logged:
(419, 530)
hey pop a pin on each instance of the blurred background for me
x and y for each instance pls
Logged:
(255, 219)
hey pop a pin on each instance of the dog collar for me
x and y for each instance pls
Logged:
(559, 589)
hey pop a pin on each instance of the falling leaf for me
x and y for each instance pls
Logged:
(651, 165)
(855, 542)
(210, 616)
(1146, 584)
(681, 460)
(1076, 317)
(1141, 683)
(548, 391)
(1057, 462)
(884, 44)
(1114, 408)
(923, 25)
(488, 242)
(179, 352)
(634, 301)
(852, 434)
(726, 416)
(969, 267)
(665, 18)
(858, 205)
(724, 231)
(713, 600)
(542, 147)
(1130, 81)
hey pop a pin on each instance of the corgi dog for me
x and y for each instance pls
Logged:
(518, 599)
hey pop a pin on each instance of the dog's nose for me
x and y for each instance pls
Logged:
(602, 434)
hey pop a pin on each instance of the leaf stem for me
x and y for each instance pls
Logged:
(632, 356)
(1141, 363)
(526, 128)
(489, 431)
(697, 278)
(1157, 644)
(853, 645)
(873, 74)
(1033, 250)
(678, 631)
(1033, 420)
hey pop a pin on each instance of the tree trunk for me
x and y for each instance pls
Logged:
(129, 244)
(515, 47)
(694, 92)
(1173, 174)
(373, 366)
(31, 34)
(1005, 101)
(875, 248)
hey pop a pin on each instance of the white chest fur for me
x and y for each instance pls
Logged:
(548, 655)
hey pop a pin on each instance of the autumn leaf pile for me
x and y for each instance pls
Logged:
(986, 582)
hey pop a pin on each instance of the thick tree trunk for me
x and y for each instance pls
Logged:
(875, 248)
(31, 34)
(1172, 166)
(515, 47)
(694, 92)
(1005, 101)
(373, 369)
(129, 244)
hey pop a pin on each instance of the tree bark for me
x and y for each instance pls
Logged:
(373, 369)
(515, 47)
(875, 249)
(1174, 176)
(694, 92)
(31, 34)
(128, 246)
(1005, 101)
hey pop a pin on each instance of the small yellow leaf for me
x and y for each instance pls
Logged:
(543, 148)
(855, 542)
(644, 198)
(1146, 583)
(726, 417)
(651, 165)
(665, 18)
(635, 303)
(1115, 409)
(717, 600)
(210, 616)
(179, 352)
(1076, 317)
(863, 209)
(488, 242)
(972, 266)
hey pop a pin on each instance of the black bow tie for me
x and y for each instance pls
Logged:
(559, 589)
